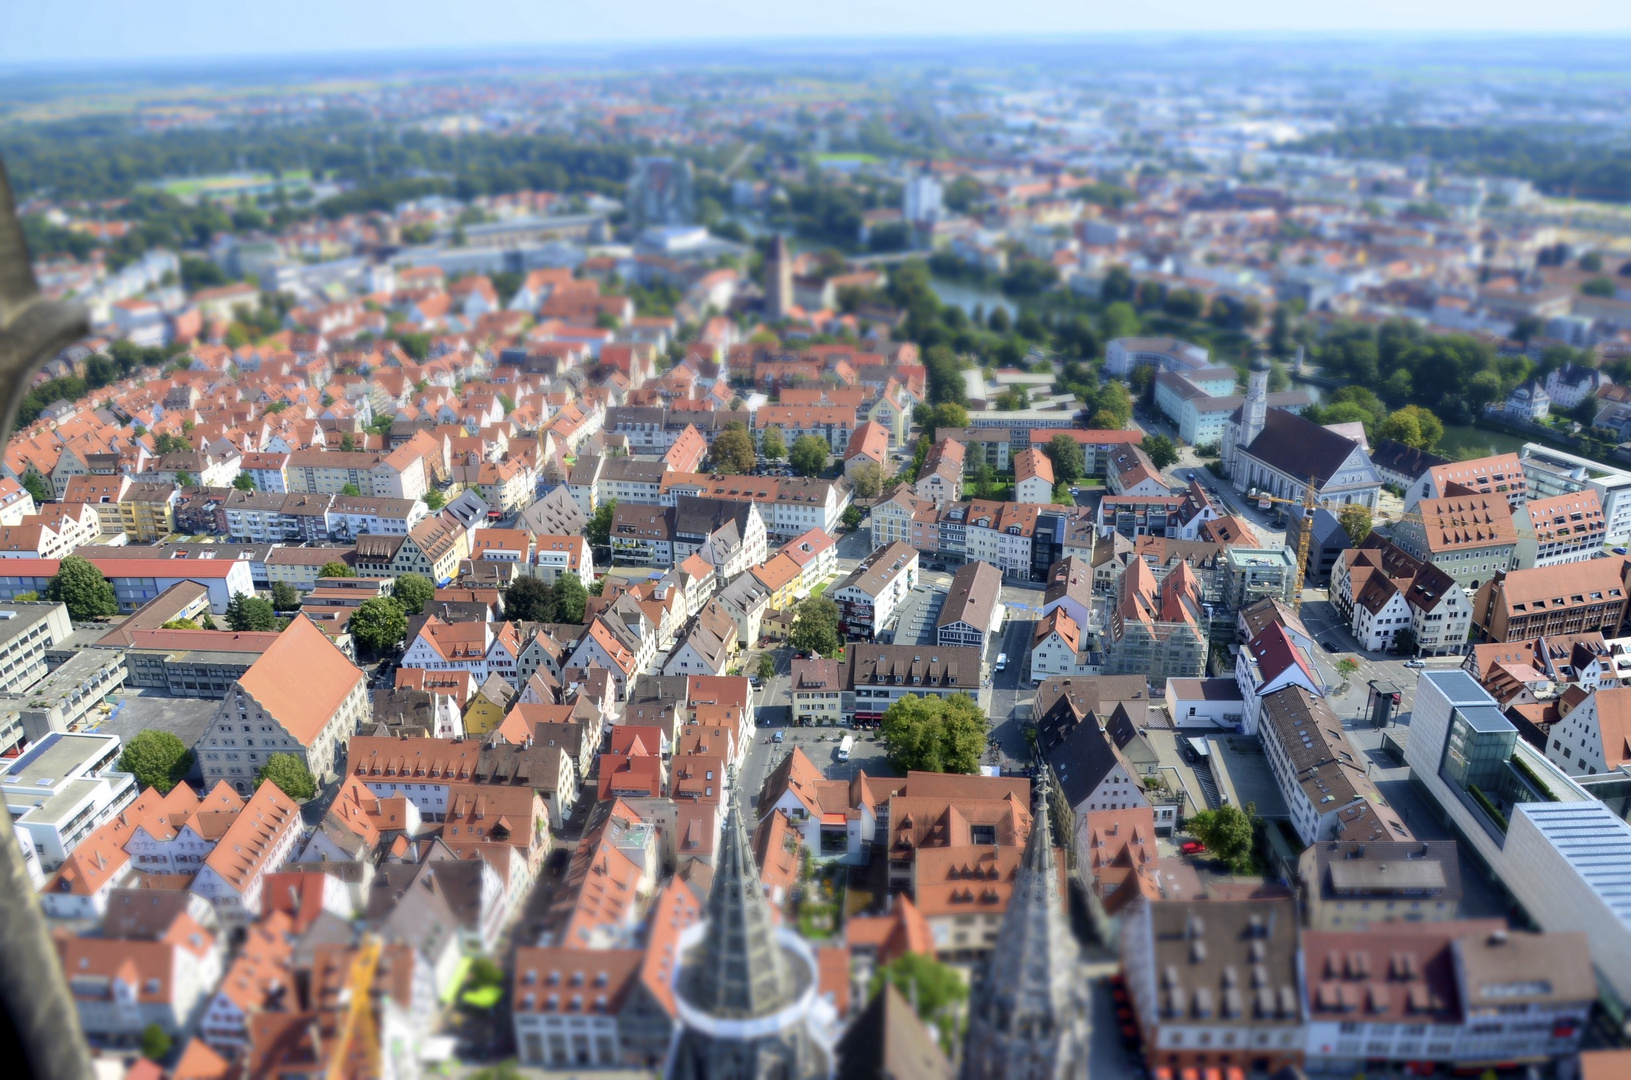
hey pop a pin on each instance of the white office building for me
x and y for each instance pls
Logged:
(1566, 860)
(1554, 472)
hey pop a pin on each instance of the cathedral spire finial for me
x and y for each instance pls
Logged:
(743, 988)
(1029, 1020)
(739, 970)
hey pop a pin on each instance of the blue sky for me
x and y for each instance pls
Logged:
(157, 29)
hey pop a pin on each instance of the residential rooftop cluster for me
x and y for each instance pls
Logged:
(503, 548)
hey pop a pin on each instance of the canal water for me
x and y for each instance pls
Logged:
(1463, 441)
(1460, 441)
(968, 297)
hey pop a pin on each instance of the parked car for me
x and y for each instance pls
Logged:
(1330, 647)
(780, 736)
(1193, 847)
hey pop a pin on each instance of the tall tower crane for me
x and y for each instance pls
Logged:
(355, 1053)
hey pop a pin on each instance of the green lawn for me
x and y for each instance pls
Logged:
(228, 184)
(1001, 490)
(819, 589)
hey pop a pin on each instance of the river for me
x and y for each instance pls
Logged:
(1462, 441)
(968, 297)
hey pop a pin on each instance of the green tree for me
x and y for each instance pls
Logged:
(244, 482)
(852, 517)
(815, 627)
(571, 598)
(1356, 521)
(250, 613)
(1228, 833)
(284, 597)
(179, 624)
(1119, 320)
(379, 623)
(1117, 286)
(37, 487)
(772, 445)
(413, 592)
(530, 599)
(733, 450)
(1413, 426)
(935, 734)
(1160, 450)
(934, 988)
(81, 586)
(600, 526)
(1404, 642)
(156, 1043)
(334, 569)
(920, 454)
(351, 489)
(950, 414)
(868, 479)
(158, 759)
(1069, 462)
(985, 481)
(809, 455)
(435, 499)
(767, 666)
(1598, 286)
(289, 773)
(28, 596)
(184, 479)
(1279, 380)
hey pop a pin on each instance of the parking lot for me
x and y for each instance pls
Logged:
(186, 718)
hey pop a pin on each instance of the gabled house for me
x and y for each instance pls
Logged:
(257, 842)
(1269, 663)
(266, 712)
(122, 987)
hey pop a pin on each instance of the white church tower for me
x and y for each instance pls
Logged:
(1247, 424)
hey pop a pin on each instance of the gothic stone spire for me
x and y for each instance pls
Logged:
(1028, 1021)
(739, 971)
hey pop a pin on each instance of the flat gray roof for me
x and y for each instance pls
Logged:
(26, 616)
(1374, 875)
(1459, 687)
(1594, 843)
(54, 757)
(1484, 718)
(56, 806)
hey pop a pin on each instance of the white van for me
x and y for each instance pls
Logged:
(845, 747)
(1002, 661)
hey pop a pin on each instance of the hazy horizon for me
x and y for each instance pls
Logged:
(100, 31)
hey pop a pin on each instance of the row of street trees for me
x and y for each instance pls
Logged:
(733, 451)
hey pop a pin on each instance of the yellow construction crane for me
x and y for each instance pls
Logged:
(1305, 529)
(358, 1034)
